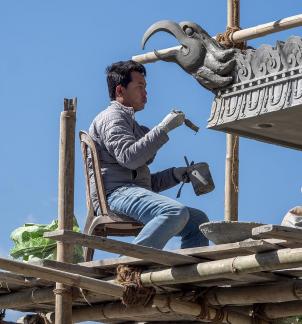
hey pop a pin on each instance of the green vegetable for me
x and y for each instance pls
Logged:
(29, 243)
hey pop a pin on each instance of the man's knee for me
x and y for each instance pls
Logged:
(181, 218)
(198, 216)
(203, 218)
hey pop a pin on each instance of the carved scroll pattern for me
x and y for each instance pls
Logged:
(265, 80)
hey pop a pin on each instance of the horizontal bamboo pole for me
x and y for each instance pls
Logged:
(241, 35)
(269, 293)
(283, 309)
(31, 297)
(26, 297)
(117, 311)
(268, 28)
(70, 279)
(280, 259)
(161, 305)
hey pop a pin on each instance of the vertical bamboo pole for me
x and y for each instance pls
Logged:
(232, 142)
(63, 313)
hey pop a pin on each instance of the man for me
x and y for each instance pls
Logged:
(126, 149)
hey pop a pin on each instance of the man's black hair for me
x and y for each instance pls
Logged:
(119, 73)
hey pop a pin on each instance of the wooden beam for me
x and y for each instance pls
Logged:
(232, 141)
(73, 268)
(279, 232)
(114, 246)
(67, 278)
(206, 253)
(66, 204)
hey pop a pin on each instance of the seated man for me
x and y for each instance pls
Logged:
(126, 148)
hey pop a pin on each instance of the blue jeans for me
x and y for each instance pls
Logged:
(163, 217)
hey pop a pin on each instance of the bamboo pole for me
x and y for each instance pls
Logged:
(161, 305)
(266, 261)
(66, 205)
(283, 309)
(241, 35)
(26, 297)
(232, 141)
(247, 295)
(269, 293)
(36, 296)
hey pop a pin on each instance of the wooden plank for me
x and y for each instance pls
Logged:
(279, 232)
(205, 253)
(73, 268)
(138, 251)
(67, 278)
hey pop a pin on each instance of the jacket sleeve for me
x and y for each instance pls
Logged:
(126, 149)
(163, 180)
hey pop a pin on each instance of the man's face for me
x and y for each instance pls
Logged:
(135, 94)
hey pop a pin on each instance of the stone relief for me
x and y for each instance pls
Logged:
(265, 80)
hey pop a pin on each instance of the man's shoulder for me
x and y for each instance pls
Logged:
(107, 118)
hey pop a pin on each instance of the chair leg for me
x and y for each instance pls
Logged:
(88, 254)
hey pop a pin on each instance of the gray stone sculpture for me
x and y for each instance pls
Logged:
(201, 56)
(258, 92)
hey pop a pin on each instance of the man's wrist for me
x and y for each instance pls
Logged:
(174, 175)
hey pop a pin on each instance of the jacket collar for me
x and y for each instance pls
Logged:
(128, 110)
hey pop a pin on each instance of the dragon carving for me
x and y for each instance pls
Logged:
(200, 55)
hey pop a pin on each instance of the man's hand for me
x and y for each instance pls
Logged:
(172, 120)
(181, 174)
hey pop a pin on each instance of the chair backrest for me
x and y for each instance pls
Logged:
(88, 146)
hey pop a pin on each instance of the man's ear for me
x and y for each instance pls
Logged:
(119, 91)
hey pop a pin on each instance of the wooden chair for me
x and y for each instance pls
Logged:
(106, 223)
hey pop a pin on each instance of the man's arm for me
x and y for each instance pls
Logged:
(127, 150)
(163, 180)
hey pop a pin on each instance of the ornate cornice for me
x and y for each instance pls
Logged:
(266, 80)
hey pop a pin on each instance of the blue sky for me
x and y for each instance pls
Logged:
(56, 49)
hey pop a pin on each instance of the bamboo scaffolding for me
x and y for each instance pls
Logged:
(241, 35)
(27, 297)
(232, 141)
(114, 246)
(236, 315)
(280, 259)
(160, 305)
(36, 296)
(268, 293)
(283, 309)
(67, 278)
(66, 204)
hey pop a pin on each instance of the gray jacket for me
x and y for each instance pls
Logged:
(125, 150)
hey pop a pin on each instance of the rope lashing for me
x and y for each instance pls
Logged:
(62, 291)
(134, 293)
(227, 40)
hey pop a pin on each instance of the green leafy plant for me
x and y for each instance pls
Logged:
(29, 243)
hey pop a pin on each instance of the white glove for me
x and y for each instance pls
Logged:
(172, 120)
